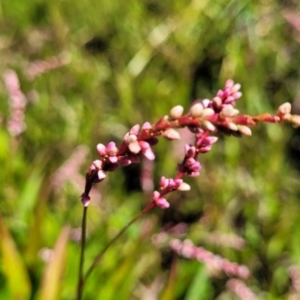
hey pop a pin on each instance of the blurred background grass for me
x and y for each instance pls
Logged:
(126, 62)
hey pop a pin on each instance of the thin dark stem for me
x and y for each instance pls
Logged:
(80, 284)
(100, 255)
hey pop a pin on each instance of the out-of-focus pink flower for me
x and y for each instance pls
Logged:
(240, 289)
(15, 124)
(147, 176)
(214, 262)
(38, 67)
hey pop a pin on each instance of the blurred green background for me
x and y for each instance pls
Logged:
(92, 69)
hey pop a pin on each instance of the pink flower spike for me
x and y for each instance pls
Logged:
(101, 149)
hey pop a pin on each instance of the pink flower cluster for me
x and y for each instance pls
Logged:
(36, 68)
(167, 186)
(240, 289)
(214, 262)
(204, 118)
(16, 122)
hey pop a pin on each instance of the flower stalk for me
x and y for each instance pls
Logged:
(204, 119)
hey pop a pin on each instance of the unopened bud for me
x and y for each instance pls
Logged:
(295, 120)
(244, 130)
(176, 112)
(130, 138)
(171, 134)
(196, 110)
(232, 126)
(235, 88)
(206, 102)
(184, 187)
(284, 109)
(218, 101)
(229, 111)
(134, 147)
(208, 112)
(208, 125)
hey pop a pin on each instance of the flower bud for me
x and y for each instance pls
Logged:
(171, 134)
(208, 125)
(146, 125)
(184, 187)
(207, 112)
(101, 149)
(176, 112)
(295, 120)
(196, 110)
(229, 84)
(134, 147)
(229, 111)
(235, 88)
(284, 109)
(245, 130)
(217, 101)
(130, 138)
(206, 102)
(232, 126)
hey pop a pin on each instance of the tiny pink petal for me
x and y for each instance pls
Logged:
(229, 84)
(148, 153)
(111, 148)
(101, 149)
(163, 183)
(135, 129)
(113, 159)
(98, 163)
(134, 147)
(146, 125)
(144, 145)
